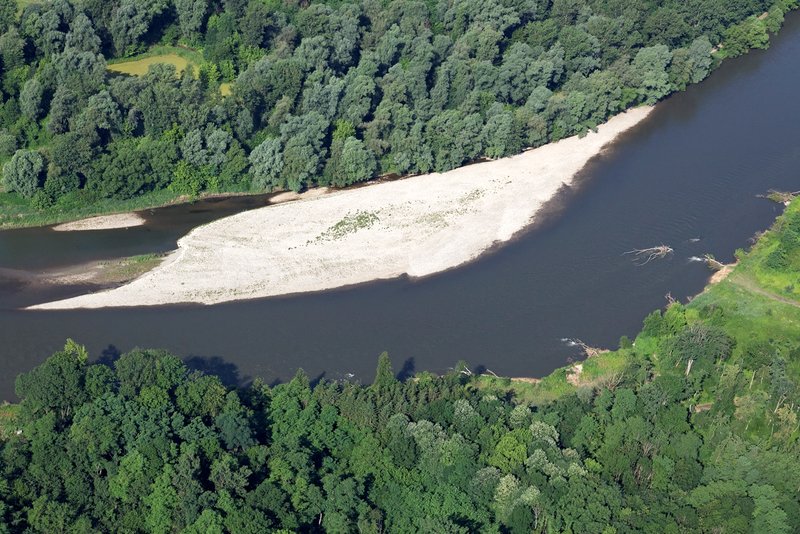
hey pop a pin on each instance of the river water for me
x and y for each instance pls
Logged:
(687, 177)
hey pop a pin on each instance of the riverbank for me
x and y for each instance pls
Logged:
(416, 226)
(754, 300)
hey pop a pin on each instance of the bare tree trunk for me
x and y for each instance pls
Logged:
(780, 401)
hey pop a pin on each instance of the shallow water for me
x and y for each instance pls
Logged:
(691, 171)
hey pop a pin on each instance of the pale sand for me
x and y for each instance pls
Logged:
(416, 226)
(104, 222)
(291, 196)
(721, 274)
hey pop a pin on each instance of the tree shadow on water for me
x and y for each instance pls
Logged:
(312, 382)
(315, 381)
(407, 371)
(109, 355)
(227, 372)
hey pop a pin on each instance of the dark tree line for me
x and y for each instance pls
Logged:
(146, 445)
(333, 92)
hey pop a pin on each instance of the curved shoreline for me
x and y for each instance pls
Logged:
(416, 226)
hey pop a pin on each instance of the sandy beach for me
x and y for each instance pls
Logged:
(104, 222)
(416, 226)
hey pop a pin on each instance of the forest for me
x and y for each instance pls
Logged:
(690, 427)
(287, 95)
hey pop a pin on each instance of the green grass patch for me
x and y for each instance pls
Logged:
(139, 67)
(181, 58)
(125, 269)
(745, 314)
(774, 262)
(165, 52)
(17, 212)
(526, 391)
(604, 366)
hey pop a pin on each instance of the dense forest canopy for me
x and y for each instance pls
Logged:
(148, 446)
(331, 92)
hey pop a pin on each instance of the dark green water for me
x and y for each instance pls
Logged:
(687, 177)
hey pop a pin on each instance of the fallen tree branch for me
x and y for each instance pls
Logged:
(713, 263)
(643, 256)
(589, 351)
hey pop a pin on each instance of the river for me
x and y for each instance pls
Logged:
(687, 177)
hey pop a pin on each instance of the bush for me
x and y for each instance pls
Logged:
(41, 200)
(123, 173)
(777, 260)
(701, 343)
(58, 185)
(23, 173)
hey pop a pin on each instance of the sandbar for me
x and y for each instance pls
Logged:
(415, 226)
(103, 222)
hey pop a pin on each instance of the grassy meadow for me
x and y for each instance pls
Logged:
(139, 67)
(180, 57)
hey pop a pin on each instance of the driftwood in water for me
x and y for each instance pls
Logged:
(589, 351)
(464, 370)
(643, 256)
(713, 263)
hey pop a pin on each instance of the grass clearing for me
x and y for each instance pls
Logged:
(139, 67)
(181, 58)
